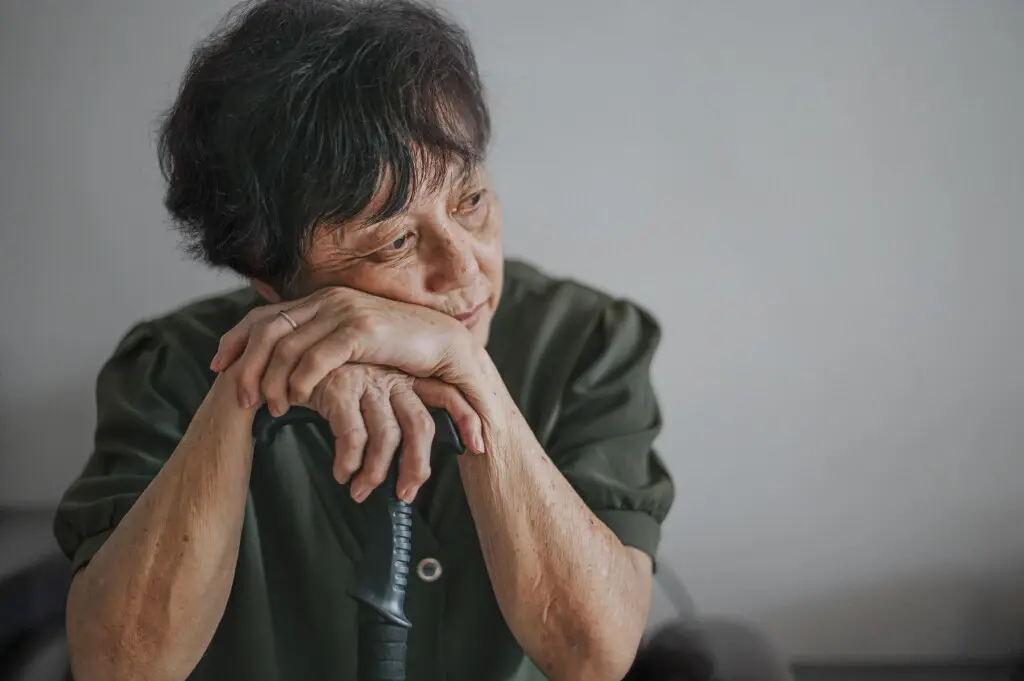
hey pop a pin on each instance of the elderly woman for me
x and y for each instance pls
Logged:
(332, 153)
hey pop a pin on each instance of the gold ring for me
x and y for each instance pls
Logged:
(288, 319)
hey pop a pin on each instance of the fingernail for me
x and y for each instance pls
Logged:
(409, 493)
(478, 443)
(359, 494)
(215, 364)
(243, 399)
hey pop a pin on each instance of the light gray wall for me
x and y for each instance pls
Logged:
(821, 201)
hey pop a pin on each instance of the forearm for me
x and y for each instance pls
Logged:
(146, 606)
(575, 598)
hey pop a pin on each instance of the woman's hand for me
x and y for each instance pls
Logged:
(333, 327)
(364, 363)
(370, 409)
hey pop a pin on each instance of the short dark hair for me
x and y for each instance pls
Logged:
(295, 113)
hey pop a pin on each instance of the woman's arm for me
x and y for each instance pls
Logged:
(573, 595)
(147, 605)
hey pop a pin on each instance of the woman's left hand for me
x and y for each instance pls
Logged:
(335, 326)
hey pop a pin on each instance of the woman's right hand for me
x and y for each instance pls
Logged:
(371, 409)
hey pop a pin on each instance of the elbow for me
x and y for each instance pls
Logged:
(93, 649)
(605, 653)
(102, 647)
(99, 652)
(85, 651)
(612, 659)
(91, 655)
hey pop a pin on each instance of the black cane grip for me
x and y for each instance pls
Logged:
(381, 648)
(383, 573)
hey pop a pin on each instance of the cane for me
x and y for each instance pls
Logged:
(383, 572)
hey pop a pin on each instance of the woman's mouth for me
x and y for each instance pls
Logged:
(469, 319)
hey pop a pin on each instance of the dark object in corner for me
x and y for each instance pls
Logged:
(32, 619)
(674, 652)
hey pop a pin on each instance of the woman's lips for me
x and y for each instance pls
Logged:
(469, 319)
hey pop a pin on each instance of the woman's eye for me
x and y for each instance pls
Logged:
(471, 202)
(401, 242)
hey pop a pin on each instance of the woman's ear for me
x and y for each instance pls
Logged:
(266, 290)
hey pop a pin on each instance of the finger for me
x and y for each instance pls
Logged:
(233, 342)
(435, 393)
(331, 352)
(383, 436)
(338, 401)
(263, 337)
(417, 435)
(286, 353)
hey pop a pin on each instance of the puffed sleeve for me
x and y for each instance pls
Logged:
(146, 394)
(608, 421)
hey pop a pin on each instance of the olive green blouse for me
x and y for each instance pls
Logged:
(576, 361)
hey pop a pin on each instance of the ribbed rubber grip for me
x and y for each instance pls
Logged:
(381, 652)
(401, 533)
(383, 573)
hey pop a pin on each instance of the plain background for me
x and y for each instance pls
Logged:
(821, 202)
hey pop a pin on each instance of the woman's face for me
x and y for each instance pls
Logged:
(444, 252)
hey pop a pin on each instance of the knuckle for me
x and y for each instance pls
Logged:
(389, 382)
(404, 383)
(360, 372)
(345, 455)
(374, 394)
(423, 424)
(337, 381)
(470, 420)
(312, 362)
(248, 375)
(288, 347)
(376, 475)
(353, 439)
(266, 385)
(298, 390)
(331, 293)
(450, 394)
(420, 473)
(423, 417)
(367, 324)
(391, 435)
(388, 387)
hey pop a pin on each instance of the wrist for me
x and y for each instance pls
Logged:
(478, 379)
(224, 401)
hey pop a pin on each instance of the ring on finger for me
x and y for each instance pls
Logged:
(288, 318)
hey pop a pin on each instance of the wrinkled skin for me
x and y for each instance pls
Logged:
(380, 310)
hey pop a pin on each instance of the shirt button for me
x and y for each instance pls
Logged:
(429, 569)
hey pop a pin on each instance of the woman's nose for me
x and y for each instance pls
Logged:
(453, 262)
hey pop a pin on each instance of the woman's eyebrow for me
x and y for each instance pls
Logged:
(468, 175)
